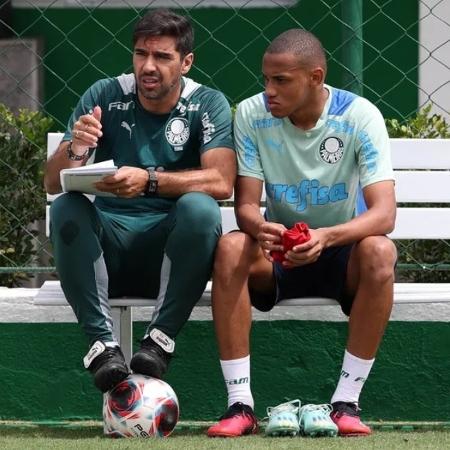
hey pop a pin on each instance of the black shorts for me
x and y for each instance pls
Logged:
(324, 278)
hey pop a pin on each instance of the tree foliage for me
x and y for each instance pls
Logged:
(425, 260)
(22, 197)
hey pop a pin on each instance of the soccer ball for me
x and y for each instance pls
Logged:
(140, 406)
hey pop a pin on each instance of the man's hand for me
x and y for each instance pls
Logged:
(86, 131)
(306, 253)
(127, 182)
(269, 238)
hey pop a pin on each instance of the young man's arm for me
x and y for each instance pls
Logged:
(249, 217)
(246, 200)
(379, 219)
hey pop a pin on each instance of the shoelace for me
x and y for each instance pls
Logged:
(111, 352)
(324, 408)
(291, 406)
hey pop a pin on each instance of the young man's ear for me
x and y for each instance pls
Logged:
(187, 63)
(317, 76)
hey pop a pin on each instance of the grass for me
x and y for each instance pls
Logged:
(22, 436)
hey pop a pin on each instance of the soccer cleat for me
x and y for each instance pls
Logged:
(154, 355)
(283, 419)
(107, 365)
(346, 416)
(238, 420)
(315, 420)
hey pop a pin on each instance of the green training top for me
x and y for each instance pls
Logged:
(313, 175)
(135, 137)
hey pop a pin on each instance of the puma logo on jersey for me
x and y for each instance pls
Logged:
(274, 145)
(127, 127)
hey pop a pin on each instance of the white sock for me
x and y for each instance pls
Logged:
(353, 376)
(236, 373)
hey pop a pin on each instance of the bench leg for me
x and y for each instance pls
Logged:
(123, 329)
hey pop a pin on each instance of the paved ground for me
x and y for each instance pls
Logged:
(16, 305)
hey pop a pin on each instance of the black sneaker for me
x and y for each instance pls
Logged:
(154, 355)
(107, 365)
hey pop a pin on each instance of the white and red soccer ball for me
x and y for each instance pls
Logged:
(140, 406)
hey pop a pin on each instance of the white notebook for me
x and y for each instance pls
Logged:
(82, 179)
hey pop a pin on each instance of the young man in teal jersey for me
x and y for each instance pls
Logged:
(313, 147)
(156, 233)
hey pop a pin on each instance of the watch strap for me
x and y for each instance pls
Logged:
(152, 184)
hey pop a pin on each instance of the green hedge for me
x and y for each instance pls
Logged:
(22, 197)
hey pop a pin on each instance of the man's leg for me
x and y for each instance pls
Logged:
(75, 231)
(239, 263)
(370, 278)
(193, 229)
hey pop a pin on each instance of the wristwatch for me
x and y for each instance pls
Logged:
(73, 156)
(152, 185)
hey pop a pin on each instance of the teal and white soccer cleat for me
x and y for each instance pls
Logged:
(283, 419)
(315, 420)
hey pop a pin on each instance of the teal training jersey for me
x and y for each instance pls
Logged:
(135, 137)
(314, 175)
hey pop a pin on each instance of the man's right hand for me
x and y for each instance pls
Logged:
(309, 251)
(86, 131)
(269, 238)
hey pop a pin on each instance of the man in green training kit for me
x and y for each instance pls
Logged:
(155, 233)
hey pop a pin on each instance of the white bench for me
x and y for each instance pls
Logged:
(422, 176)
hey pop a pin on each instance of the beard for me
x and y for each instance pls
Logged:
(158, 92)
(154, 94)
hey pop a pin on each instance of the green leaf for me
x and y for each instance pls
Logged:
(23, 138)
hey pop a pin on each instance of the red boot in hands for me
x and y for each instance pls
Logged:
(298, 234)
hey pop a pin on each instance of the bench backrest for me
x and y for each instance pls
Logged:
(422, 175)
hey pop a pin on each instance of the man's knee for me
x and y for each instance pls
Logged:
(70, 204)
(199, 212)
(377, 255)
(234, 251)
(69, 214)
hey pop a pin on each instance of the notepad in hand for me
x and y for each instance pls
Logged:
(83, 179)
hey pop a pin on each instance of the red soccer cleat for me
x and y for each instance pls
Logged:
(238, 420)
(346, 417)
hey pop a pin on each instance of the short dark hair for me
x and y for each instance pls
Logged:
(300, 43)
(163, 22)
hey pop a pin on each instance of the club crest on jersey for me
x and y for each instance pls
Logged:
(331, 150)
(177, 132)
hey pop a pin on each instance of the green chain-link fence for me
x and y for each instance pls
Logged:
(396, 53)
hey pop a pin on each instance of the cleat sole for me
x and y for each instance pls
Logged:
(320, 433)
(354, 434)
(289, 432)
(224, 434)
